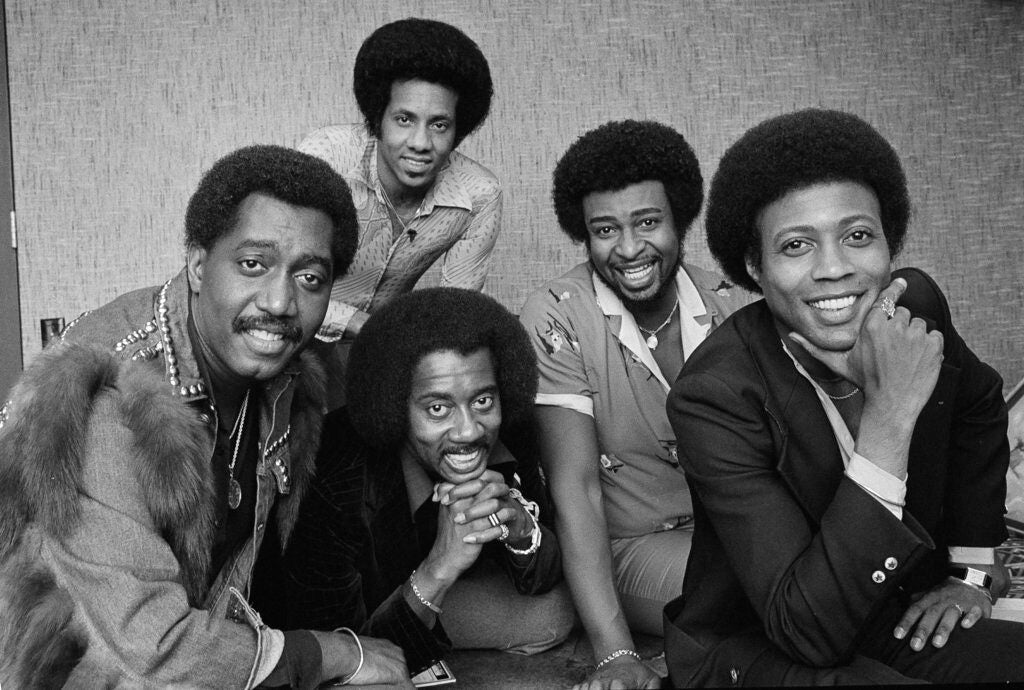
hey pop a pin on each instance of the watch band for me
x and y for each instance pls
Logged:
(972, 576)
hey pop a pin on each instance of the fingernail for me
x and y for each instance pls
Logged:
(916, 644)
(899, 633)
(460, 518)
(445, 500)
(469, 539)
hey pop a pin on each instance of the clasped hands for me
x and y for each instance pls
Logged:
(463, 524)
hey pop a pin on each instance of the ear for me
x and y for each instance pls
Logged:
(196, 257)
(753, 271)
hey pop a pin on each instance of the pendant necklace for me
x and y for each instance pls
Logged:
(398, 216)
(652, 336)
(234, 488)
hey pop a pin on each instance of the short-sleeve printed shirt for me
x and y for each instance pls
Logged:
(593, 359)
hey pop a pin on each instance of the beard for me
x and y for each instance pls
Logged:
(633, 305)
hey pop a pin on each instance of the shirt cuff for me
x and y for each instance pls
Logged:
(335, 321)
(580, 403)
(976, 555)
(274, 644)
(887, 489)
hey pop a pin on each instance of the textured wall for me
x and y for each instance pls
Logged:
(118, 107)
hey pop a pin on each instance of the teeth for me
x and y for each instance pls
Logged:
(266, 335)
(834, 304)
(638, 273)
(462, 460)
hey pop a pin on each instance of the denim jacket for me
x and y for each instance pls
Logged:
(109, 514)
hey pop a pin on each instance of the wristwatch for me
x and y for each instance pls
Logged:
(972, 576)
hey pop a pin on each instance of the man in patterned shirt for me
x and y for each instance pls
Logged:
(422, 87)
(610, 336)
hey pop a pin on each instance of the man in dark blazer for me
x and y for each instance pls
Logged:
(845, 448)
(418, 513)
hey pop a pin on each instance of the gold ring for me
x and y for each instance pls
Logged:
(493, 518)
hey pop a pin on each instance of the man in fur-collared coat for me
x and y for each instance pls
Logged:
(141, 457)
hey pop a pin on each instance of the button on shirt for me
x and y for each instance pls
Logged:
(458, 220)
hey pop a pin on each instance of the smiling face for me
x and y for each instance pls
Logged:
(454, 414)
(417, 132)
(824, 261)
(632, 240)
(262, 289)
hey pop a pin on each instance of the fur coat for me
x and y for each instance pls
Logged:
(42, 437)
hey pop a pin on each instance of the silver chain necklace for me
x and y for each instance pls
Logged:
(652, 336)
(234, 488)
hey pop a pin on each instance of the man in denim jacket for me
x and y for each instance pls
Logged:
(141, 457)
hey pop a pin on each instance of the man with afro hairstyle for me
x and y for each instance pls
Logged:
(146, 457)
(845, 449)
(610, 335)
(454, 553)
(422, 87)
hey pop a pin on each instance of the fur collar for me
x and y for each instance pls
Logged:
(41, 447)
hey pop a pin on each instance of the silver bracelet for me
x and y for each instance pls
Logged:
(533, 510)
(616, 654)
(415, 590)
(359, 645)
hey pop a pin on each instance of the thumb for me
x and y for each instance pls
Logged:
(836, 361)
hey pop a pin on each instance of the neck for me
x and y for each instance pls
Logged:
(818, 370)
(652, 313)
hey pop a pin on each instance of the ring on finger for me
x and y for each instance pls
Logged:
(504, 531)
(493, 519)
(888, 307)
(959, 608)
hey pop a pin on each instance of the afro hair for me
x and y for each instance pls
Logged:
(430, 51)
(618, 154)
(791, 152)
(398, 335)
(282, 173)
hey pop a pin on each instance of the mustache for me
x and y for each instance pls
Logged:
(267, 323)
(464, 448)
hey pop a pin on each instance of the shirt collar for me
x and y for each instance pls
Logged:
(693, 317)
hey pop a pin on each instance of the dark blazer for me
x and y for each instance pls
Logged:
(356, 543)
(789, 556)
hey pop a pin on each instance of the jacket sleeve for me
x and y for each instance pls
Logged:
(813, 583)
(977, 452)
(128, 584)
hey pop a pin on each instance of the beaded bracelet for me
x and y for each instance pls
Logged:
(359, 645)
(616, 654)
(415, 590)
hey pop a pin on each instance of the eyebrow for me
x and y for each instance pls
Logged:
(304, 260)
(846, 220)
(443, 395)
(633, 214)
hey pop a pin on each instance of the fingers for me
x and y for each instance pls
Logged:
(893, 291)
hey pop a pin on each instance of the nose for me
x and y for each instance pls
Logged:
(467, 428)
(278, 296)
(831, 262)
(419, 138)
(629, 245)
